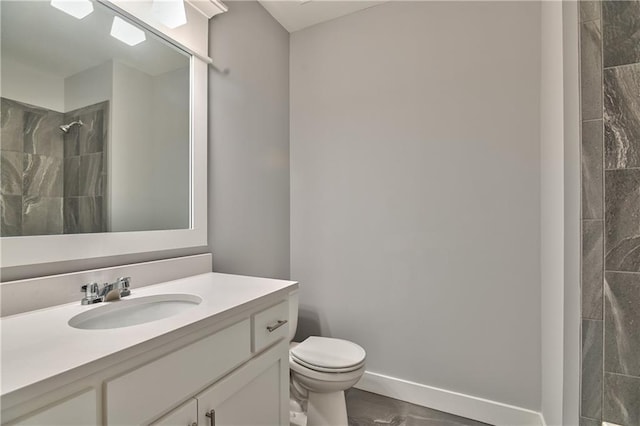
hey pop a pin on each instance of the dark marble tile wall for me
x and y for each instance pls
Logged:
(32, 165)
(85, 170)
(610, 75)
(52, 182)
(592, 271)
(621, 33)
(591, 401)
(591, 65)
(622, 348)
(622, 116)
(622, 220)
(592, 153)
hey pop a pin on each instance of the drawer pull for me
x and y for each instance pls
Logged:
(212, 417)
(280, 323)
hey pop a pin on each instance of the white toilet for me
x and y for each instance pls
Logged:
(322, 368)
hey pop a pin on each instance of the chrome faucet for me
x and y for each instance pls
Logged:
(115, 290)
(90, 294)
(109, 291)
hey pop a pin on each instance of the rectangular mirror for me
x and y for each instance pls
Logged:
(95, 123)
(103, 130)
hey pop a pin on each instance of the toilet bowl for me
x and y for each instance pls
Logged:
(321, 369)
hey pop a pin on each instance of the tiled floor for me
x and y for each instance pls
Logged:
(370, 409)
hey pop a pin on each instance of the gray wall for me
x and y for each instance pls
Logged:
(415, 191)
(610, 212)
(249, 143)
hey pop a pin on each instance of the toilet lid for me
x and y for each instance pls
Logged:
(328, 353)
(324, 369)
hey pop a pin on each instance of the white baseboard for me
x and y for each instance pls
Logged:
(471, 407)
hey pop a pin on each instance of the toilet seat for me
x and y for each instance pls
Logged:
(328, 355)
(306, 374)
(325, 369)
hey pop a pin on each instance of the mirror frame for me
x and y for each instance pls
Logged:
(193, 39)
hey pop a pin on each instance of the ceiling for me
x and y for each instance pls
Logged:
(295, 15)
(44, 38)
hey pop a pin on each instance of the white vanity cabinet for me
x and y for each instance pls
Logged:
(138, 396)
(255, 394)
(184, 415)
(236, 370)
(78, 410)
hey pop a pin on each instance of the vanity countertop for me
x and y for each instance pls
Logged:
(40, 345)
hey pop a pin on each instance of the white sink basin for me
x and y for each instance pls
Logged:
(124, 313)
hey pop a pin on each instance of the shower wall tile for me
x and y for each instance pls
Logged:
(622, 319)
(591, 398)
(617, 150)
(71, 144)
(91, 137)
(622, 220)
(10, 215)
(621, 399)
(83, 214)
(589, 10)
(589, 422)
(91, 174)
(71, 215)
(105, 175)
(42, 176)
(592, 268)
(621, 32)
(11, 164)
(90, 217)
(592, 170)
(591, 70)
(41, 215)
(622, 116)
(72, 176)
(85, 169)
(42, 134)
(91, 134)
(11, 125)
(41, 164)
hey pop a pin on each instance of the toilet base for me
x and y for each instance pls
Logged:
(327, 409)
(297, 418)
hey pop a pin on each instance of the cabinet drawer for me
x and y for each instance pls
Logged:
(143, 394)
(184, 415)
(268, 327)
(80, 410)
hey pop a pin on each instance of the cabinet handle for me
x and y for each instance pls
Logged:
(212, 417)
(276, 326)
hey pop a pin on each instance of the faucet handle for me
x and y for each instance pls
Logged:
(124, 283)
(90, 289)
(91, 294)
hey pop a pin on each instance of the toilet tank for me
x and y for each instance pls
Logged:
(293, 313)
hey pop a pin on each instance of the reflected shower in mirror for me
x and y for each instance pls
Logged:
(95, 123)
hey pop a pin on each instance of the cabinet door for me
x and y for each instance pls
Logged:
(80, 410)
(256, 394)
(143, 394)
(184, 415)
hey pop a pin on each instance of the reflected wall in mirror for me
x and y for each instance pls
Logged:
(95, 133)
